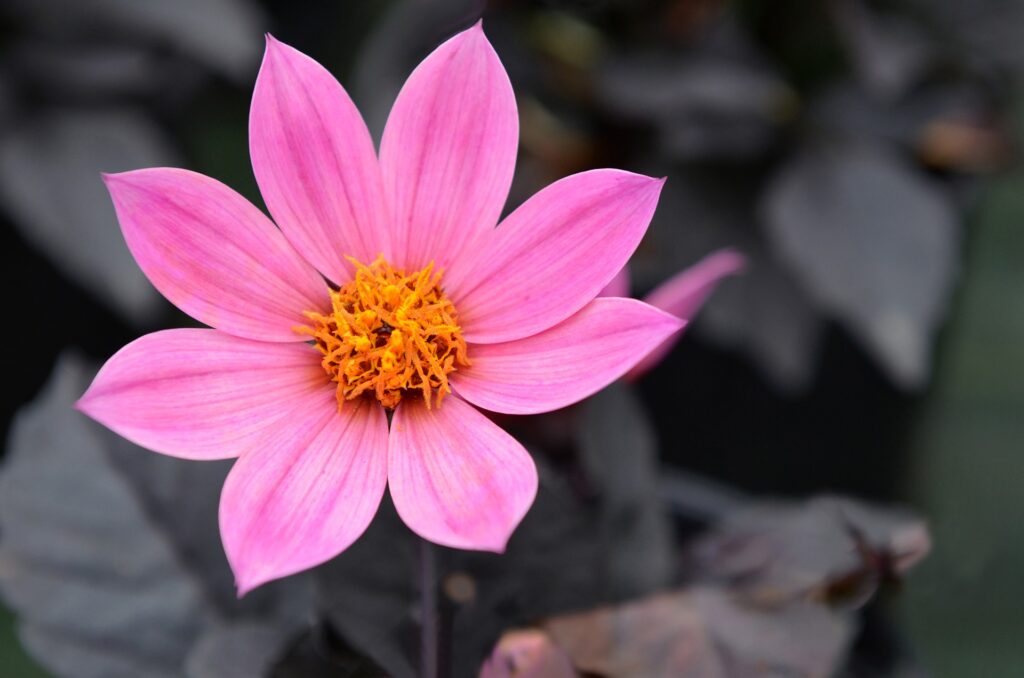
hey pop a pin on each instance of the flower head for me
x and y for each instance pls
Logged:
(381, 287)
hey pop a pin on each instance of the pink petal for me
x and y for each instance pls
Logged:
(449, 150)
(619, 286)
(683, 294)
(315, 163)
(527, 653)
(566, 363)
(214, 255)
(201, 394)
(306, 493)
(554, 254)
(455, 477)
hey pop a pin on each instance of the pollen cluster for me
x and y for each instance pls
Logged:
(389, 335)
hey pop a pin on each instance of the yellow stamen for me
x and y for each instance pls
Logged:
(389, 335)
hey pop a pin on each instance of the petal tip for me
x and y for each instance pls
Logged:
(473, 35)
(85, 403)
(243, 587)
(249, 576)
(640, 182)
(274, 50)
(652, 189)
(489, 543)
(136, 178)
(113, 178)
(82, 405)
(271, 43)
(732, 260)
(672, 322)
(498, 549)
(245, 582)
(271, 46)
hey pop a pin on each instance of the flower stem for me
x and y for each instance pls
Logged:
(428, 612)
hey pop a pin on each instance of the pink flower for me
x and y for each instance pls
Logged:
(433, 310)
(527, 653)
(682, 295)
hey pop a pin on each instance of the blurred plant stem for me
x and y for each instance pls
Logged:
(428, 611)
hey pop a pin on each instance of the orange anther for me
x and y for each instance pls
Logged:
(389, 334)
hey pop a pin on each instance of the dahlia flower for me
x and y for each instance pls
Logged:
(352, 336)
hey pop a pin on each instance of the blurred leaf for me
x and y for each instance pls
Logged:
(718, 98)
(985, 32)
(50, 183)
(829, 548)
(661, 86)
(703, 106)
(697, 498)
(106, 561)
(98, 591)
(239, 650)
(226, 34)
(889, 53)
(763, 599)
(846, 110)
(762, 313)
(873, 242)
(947, 125)
(619, 453)
(703, 633)
(795, 639)
(322, 653)
(182, 498)
(88, 73)
(765, 314)
(369, 593)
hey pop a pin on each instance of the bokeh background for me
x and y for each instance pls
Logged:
(863, 155)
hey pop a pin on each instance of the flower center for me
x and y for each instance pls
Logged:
(390, 335)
